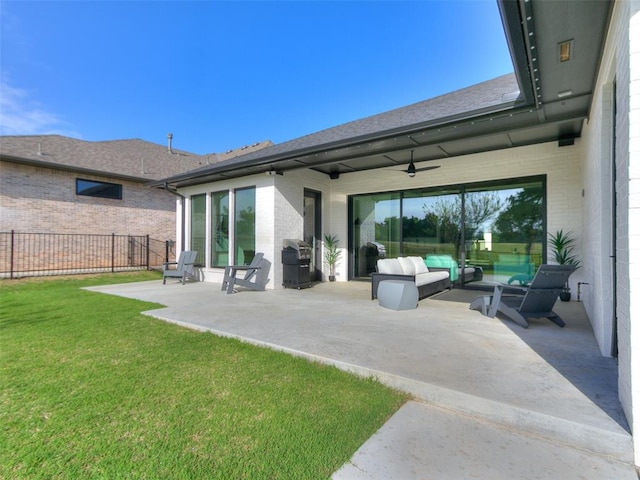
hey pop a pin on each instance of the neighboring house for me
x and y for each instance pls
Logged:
(50, 184)
(553, 146)
(55, 184)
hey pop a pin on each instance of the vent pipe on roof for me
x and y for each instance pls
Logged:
(169, 138)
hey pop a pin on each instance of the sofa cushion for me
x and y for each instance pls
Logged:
(431, 277)
(390, 266)
(407, 266)
(443, 261)
(434, 261)
(419, 265)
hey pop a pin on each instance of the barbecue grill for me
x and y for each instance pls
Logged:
(296, 264)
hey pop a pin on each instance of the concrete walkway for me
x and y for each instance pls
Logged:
(492, 400)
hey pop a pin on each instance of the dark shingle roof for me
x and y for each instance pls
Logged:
(476, 98)
(134, 159)
(499, 93)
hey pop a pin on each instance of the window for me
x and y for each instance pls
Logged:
(91, 188)
(231, 234)
(498, 227)
(220, 229)
(198, 225)
(245, 225)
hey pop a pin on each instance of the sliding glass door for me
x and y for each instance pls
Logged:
(505, 227)
(375, 232)
(431, 223)
(482, 232)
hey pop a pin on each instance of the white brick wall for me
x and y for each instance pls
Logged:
(629, 305)
(620, 63)
(598, 213)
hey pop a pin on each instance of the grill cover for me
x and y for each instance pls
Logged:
(299, 248)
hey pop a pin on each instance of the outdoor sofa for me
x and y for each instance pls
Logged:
(428, 280)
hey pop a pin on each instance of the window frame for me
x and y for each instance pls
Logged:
(84, 192)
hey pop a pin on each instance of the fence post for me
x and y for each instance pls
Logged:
(13, 240)
(148, 246)
(113, 252)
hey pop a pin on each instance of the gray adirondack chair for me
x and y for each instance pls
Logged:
(256, 275)
(183, 267)
(536, 301)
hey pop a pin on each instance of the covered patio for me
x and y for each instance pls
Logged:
(548, 382)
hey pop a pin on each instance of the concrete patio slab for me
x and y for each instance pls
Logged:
(546, 384)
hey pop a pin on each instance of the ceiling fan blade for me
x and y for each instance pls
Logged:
(411, 169)
(424, 169)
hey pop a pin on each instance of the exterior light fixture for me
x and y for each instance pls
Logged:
(564, 51)
(411, 171)
(565, 93)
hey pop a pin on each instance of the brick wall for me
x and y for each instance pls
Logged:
(620, 64)
(633, 232)
(633, 138)
(627, 56)
(43, 200)
(597, 215)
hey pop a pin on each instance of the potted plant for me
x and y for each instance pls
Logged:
(331, 254)
(562, 245)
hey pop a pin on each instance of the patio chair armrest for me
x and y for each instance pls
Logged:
(495, 301)
(166, 265)
(514, 289)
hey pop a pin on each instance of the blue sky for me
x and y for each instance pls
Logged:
(220, 75)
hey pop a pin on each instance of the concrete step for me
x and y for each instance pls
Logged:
(424, 441)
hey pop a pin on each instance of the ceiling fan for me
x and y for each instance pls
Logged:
(411, 169)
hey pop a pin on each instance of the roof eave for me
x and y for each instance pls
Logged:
(67, 168)
(517, 43)
(252, 166)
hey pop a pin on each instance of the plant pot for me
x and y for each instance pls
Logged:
(565, 295)
(332, 278)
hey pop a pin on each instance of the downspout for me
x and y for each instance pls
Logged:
(182, 197)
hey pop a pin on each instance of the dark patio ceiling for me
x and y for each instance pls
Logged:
(548, 103)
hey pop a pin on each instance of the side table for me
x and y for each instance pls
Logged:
(398, 294)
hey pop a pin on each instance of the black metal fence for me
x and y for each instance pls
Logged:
(39, 254)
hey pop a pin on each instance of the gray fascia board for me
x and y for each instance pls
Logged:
(512, 24)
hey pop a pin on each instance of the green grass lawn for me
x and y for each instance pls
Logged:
(90, 388)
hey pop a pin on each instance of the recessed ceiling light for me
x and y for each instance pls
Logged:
(565, 93)
(564, 51)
